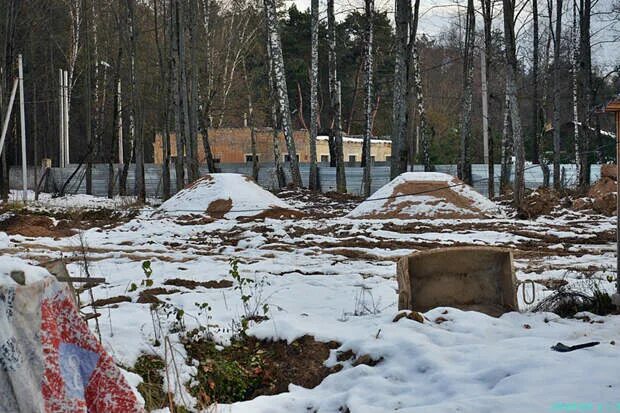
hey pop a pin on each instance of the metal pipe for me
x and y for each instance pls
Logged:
(22, 121)
(9, 109)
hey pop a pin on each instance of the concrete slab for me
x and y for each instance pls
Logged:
(470, 278)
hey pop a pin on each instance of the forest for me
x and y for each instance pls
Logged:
(497, 82)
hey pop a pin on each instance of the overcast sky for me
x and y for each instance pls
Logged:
(436, 15)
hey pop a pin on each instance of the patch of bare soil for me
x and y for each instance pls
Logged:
(319, 205)
(191, 284)
(394, 207)
(601, 198)
(219, 208)
(149, 296)
(33, 226)
(111, 301)
(249, 368)
(274, 213)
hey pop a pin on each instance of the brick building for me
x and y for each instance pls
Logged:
(233, 145)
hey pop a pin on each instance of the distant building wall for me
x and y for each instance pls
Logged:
(233, 145)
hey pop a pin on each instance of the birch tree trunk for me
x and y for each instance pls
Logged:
(585, 72)
(400, 143)
(163, 101)
(133, 102)
(313, 178)
(511, 92)
(252, 124)
(557, 98)
(191, 162)
(537, 113)
(192, 107)
(117, 129)
(575, 96)
(88, 97)
(370, 13)
(464, 171)
(277, 156)
(335, 110)
(281, 89)
(506, 155)
(423, 130)
(487, 18)
(206, 19)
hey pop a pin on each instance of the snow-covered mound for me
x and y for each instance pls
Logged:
(425, 195)
(226, 195)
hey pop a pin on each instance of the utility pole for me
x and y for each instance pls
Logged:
(22, 124)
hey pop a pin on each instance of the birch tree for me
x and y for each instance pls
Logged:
(424, 134)
(370, 10)
(537, 113)
(192, 99)
(177, 105)
(133, 102)
(279, 170)
(513, 104)
(164, 99)
(335, 110)
(486, 53)
(585, 75)
(575, 96)
(506, 154)
(557, 98)
(400, 147)
(313, 178)
(464, 171)
(280, 87)
(251, 123)
(206, 102)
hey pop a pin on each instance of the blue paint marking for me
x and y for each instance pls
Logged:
(76, 368)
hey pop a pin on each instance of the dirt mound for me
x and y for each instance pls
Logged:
(226, 195)
(601, 197)
(425, 195)
(539, 202)
(609, 171)
(34, 226)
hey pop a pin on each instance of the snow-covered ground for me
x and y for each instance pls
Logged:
(334, 278)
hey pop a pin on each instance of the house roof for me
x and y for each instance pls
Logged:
(614, 105)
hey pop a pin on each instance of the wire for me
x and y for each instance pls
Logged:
(385, 197)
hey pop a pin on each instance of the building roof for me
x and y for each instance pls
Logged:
(355, 140)
(614, 105)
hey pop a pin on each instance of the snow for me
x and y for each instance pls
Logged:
(248, 199)
(316, 272)
(424, 203)
(9, 264)
(72, 201)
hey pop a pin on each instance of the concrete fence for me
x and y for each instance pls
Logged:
(327, 175)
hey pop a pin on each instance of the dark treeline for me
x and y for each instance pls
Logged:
(190, 65)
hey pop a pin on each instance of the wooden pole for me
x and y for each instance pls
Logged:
(617, 295)
(22, 124)
(614, 107)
